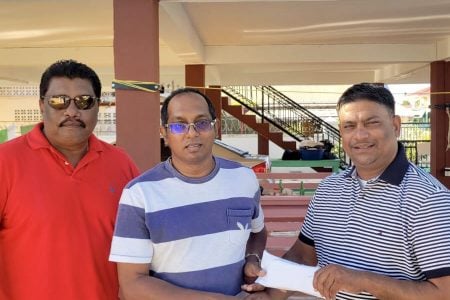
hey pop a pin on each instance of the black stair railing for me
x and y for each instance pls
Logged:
(274, 107)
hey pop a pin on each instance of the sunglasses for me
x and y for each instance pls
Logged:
(199, 126)
(82, 102)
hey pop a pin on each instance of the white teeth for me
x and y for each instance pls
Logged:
(193, 146)
(363, 147)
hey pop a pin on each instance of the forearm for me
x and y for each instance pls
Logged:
(276, 294)
(301, 254)
(257, 242)
(386, 288)
(151, 288)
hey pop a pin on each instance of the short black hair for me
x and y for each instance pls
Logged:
(164, 108)
(71, 69)
(368, 91)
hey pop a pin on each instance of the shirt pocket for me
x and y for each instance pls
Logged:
(239, 225)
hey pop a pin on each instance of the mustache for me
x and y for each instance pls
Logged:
(71, 120)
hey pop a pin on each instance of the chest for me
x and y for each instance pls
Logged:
(358, 221)
(46, 194)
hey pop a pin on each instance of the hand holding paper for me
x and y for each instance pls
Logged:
(287, 275)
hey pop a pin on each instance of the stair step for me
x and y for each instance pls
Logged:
(301, 201)
(276, 227)
(285, 213)
(277, 137)
(279, 245)
(262, 128)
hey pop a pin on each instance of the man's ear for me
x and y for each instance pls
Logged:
(163, 133)
(397, 125)
(216, 130)
(41, 106)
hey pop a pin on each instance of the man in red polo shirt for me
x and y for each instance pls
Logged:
(59, 192)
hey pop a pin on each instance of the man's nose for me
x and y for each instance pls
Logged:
(72, 109)
(192, 130)
(361, 131)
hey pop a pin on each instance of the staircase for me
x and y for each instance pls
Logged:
(262, 128)
(263, 108)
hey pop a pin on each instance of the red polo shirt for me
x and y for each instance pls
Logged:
(56, 221)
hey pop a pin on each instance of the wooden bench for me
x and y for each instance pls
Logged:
(290, 183)
(284, 216)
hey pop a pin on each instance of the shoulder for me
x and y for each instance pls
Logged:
(332, 187)
(336, 178)
(420, 189)
(417, 179)
(12, 148)
(227, 164)
(157, 173)
(108, 148)
(234, 169)
(424, 190)
(111, 152)
(13, 144)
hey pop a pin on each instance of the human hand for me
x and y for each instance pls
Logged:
(252, 270)
(252, 287)
(331, 279)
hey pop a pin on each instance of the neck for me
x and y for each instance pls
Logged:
(367, 177)
(73, 156)
(194, 170)
(73, 153)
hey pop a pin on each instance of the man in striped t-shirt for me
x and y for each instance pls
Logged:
(380, 229)
(194, 222)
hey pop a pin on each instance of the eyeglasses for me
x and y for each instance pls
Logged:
(82, 102)
(199, 126)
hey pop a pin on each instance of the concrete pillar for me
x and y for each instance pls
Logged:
(215, 95)
(136, 57)
(440, 156)
(195, 76)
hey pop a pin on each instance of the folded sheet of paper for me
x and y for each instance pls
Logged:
(287, 275)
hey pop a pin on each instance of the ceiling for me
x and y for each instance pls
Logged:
(240, 42)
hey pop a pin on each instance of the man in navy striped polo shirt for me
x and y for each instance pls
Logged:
(194, 221)
(380, 229)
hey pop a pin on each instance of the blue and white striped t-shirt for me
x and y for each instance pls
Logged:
(193, 231)
(397, 225)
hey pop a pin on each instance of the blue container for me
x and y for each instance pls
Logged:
(311, 154)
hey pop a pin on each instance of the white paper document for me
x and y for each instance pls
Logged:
(287, 275)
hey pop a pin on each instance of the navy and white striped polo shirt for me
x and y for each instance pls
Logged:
(398, 225)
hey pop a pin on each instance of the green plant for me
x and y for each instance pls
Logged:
(280, 186)
(302, 189)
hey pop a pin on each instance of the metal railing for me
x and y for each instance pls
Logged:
(422, 160)
(272, 106)
(415, 132)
